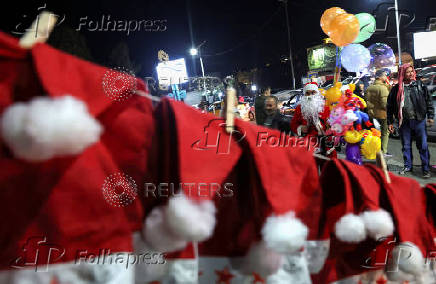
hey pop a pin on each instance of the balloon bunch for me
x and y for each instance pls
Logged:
(341, 27)
(367, 141)
(348, 31)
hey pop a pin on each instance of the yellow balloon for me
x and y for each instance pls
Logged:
(333, 94)
(352, 87)
(328, 16)
(352, 137)
(370, 147)
(344, 29)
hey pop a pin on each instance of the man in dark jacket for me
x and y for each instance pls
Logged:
(274, 119)
(410, 102)
(259, 105)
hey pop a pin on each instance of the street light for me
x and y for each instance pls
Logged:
(253, 88)
(193, 51)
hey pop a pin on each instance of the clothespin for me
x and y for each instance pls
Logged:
(381, 163)
(39, 31)
(230, 113)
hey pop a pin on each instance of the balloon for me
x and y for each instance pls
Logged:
(355, 57)
(371, 146)
(352, 153)
(353, 137)
(375, 132)
(382, 56)
(328, 16)
(333, 94)
(367, 26)
(344, 29)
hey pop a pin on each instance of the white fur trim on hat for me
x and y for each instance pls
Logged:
(405, 263)
(158, 236)
(378, 223)
(189, 219)
(310, 87)
(45, 128)
(261, 260)
(350, 228)
(285, 233)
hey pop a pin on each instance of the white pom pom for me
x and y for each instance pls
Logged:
(46, 128)
(261, 260)
(406, 262)
(350, 228)
(284, 234)
(158, 236)
(378, 223)
(191, 220)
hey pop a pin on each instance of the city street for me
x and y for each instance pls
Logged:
(395, 163)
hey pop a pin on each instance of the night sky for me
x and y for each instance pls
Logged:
(239, 34)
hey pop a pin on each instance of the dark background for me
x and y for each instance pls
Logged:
(239, 34)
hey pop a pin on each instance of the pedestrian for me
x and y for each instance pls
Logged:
(259, 105)
(360, 89)
(409, 101)
(273, 118)
(310, 119)
(376, 98)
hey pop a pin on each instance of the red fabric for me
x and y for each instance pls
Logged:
(265, 179)
(298, 120)
(61, 199)
(409, 208)
(403, 199)
(348, 188)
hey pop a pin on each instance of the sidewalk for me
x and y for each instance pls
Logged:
(395, 166)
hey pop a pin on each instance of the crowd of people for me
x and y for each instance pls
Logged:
(408, 102)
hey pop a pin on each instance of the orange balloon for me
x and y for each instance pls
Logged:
(344, 29)
(328, 16)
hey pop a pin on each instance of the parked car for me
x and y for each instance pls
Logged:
(429, 80)
(288, 100)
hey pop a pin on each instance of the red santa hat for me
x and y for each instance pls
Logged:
(311, 86)
(414, 228)
(357, 212)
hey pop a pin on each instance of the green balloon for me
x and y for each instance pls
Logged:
(367, 27)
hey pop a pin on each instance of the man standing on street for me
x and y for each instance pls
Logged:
(410, 102)
(376, 98)
(274, 119)
(259, 105)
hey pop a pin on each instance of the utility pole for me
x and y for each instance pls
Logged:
(291, 60)
(398, 33)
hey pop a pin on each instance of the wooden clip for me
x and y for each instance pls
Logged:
(230, 112)
(39, 31)
(381, 163)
